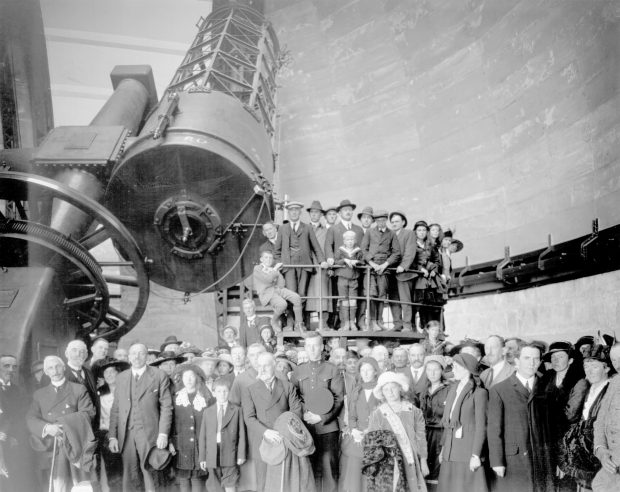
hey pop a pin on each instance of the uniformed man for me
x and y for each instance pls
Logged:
(321, 388)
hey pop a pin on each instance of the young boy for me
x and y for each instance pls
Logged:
(269, 284)
(222, 446)
(348, 256)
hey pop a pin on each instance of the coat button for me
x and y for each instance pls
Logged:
(191, 439)
(191, 428)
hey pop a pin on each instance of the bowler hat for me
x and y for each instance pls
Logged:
(467, 361)
(365, 211)
(380, 213)
(420, 223)
(158, 459)
(316, 205)
(346, 203)
(294, 205)
(272, 453)
(403, 216)
(558, 347)
(168, 341)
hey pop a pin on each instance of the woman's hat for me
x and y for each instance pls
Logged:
(402, 215)
(172, 339)
(226, 358)
(365, 211)
(368, 360)
(101, 365)
(316, 205)
(390, 377)
(467, 361)
(345, 203)
(189, 366)
(166, 356)
(210, 354)
(266, 327)
(440, 359)
(558, 347)
(420, 223)
(190, 349)
(585, 340)
(229, 327)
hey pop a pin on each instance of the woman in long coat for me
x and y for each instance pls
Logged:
(407, 424)
(464, 422)
(189, 405)
(432, 403)
(361, 403)
(426, 260)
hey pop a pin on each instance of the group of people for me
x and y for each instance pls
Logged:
(347, 263)
(499, 415)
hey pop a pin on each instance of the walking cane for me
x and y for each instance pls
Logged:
(51, 484)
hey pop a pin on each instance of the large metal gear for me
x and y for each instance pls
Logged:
(87, 282)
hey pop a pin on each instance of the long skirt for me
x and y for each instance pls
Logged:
(433, 444)
(456, 475)
(351, 457)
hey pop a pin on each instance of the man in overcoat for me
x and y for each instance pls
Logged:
(263, 402)
(140, 418)
(517, 432)
(401, 285)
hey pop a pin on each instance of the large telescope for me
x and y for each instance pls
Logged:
(180, 186)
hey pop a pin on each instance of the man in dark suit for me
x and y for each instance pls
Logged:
(76, 371)
(141, 416)
(495, 356)
(251, 324)
(415, 373)
(518, 433)
(45, 419)
(296, 245)
(312, 379)
(333, 241)
(263, 402)
(401, 285)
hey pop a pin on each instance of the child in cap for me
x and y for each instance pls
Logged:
(347, 257)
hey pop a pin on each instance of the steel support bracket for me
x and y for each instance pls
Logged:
(550, 249)
(499, 270)
(590, 241)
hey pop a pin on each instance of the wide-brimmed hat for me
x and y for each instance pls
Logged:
(189, 349)
(168, 341)
(210, 354)
(449, 234)
(562, 346)
(420, 223)
(467, 361)
(390, 377)
(368, 360)
(166, 356)
(584, 340)
(101, 365)
(398, 212)
(189, 366)
(226, 358)
(345, 203)
(440, 359)
(158, 459)
(365, 211)
(229, 327)
(316, 205)
(380, 213)
(467, 342)
(290, 205)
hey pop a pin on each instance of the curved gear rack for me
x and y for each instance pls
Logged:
(87, 281)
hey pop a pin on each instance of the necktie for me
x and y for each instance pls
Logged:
(348, 227)
(78, 375)
(136, 377)
(220, 412)
(295, 227)
(527, 386)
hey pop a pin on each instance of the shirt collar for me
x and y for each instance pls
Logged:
(58, 384)
(8, 383)
(138, 372)
(74, 369)
(524, 380)
(499, 366)
(252, 318)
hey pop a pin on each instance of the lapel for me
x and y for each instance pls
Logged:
(459, 400)
(58, 397)
(228, 414)
(519, 387)
(145, 382)
(269, 399)
(535, 389)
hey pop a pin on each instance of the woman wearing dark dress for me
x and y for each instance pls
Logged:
(577, 458)
(361, 403)
(432, 403)
(426, 260)
(464, 422)
(189, 404)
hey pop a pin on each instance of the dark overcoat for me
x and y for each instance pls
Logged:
(518, 436)
(186, 432)
(233, 443)
(309, 246)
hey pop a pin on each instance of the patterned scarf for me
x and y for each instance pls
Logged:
(399, 431)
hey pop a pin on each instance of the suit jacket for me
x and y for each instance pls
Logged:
(469, 415)
(243, 380)
(518, 436)
(90, 382)
(261, 408)
(250, 334)
(407, 243)
(333, 238)
(320, 375)
(49, 406)
(233, 439)
(415, 388)
(309, 246)
(267, 283)
(380, 247)
(154, 405)
(487, 379)
(268, 246)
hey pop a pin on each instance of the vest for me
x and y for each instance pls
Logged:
(135, 417)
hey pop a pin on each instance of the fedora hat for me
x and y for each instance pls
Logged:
(316, 205)
(365, 211)
(380, 213)
(168, 341)
(346, 203)
(398, 212)
(332, 207)
(294, 204)
(158, 459)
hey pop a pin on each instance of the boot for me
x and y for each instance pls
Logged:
(344, 316)
(352, 311)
